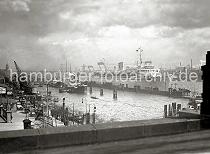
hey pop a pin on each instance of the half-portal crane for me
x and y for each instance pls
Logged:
(24, 84)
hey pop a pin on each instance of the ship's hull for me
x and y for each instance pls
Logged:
(78, 89)
(156, 88)
(136, 89)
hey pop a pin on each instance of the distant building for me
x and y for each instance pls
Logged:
(120, 66)
(2, 76)
(4, 73)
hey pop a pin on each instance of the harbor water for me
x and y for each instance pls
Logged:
(128, 106)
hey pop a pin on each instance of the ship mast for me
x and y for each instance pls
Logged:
(66, 66)
(139, 50)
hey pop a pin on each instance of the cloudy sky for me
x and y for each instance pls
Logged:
(43, 33)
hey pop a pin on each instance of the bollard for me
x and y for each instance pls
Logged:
(91, 90)
(165, 111)
(179, 107)
(114, 94)
(174, 109)
(169, 110)
(87, 118)
(27, 124)
(101, 92)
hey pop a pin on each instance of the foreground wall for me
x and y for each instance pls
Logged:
(11, 141)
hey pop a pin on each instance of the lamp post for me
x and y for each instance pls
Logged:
(73, 113)
(47, 106)
(85, 104)
(47, 99)
(63, 110)
(94, 114)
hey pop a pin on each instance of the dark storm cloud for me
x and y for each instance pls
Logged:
(21, 24)
(31, 21)
(40, 17)
(186, 14)
(45, 31)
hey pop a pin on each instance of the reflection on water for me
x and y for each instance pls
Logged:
(128, 106)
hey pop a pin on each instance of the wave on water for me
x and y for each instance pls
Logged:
(128, 106)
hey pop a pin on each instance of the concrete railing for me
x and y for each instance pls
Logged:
(3, 113)
(6, 115)
(19, 140)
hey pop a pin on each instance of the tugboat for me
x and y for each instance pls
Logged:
(179, 93)
(40, 85)
(62, 90)
(78, 88)
(93, 97)
(73, 86)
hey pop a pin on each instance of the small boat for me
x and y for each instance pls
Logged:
(93, 97)
(56, 99)
(62, 90)
(76, 89)
(40, 85)
(195, 102)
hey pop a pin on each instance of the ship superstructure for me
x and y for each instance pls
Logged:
(144, 77)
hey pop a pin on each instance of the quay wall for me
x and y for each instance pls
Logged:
(189, 114)
(12, 141)
(111, 87)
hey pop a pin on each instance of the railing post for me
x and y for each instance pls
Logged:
(1, 110)
(9, 116)
(87, 118)
(27, 124)
(101, 92)
(165, 111)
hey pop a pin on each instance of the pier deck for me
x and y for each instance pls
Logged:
(17, 122)
(193, 142)
(1, 120)
(99, 134)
